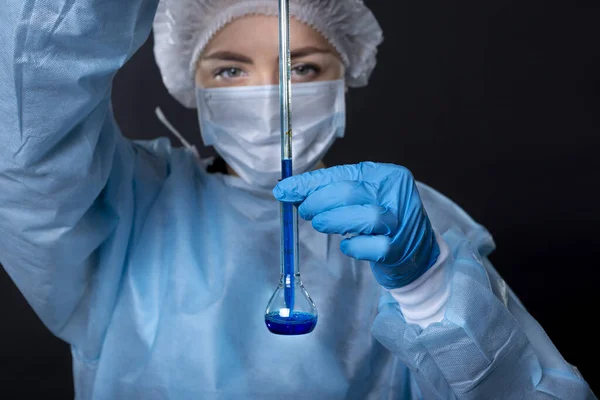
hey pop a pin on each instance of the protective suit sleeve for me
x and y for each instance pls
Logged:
(486, 346)
(68, 178)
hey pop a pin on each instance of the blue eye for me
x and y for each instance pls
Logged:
(229, 72)
(305, 70)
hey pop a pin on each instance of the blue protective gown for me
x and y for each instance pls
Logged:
(158, 273)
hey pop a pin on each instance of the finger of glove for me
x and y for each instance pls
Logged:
(296, 188)
(356, 219)
(335, 195)
(368, 248)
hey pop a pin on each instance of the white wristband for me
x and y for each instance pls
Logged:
(423, 301)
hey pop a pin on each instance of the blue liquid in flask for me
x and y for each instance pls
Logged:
(290, 311)
(298, 323)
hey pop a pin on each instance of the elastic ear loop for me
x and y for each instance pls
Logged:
(161, 117)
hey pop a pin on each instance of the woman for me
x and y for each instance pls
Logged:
(156, 266)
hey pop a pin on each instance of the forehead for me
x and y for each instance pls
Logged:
(260, 33)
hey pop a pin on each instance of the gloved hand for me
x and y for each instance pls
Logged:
(377, 202)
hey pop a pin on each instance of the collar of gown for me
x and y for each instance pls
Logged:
(235, 181)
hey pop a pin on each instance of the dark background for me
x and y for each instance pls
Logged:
(496, 104)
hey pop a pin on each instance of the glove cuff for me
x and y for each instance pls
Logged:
(413, 264)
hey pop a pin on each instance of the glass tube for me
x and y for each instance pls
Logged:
(290, 311)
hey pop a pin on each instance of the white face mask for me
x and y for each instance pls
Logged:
(243, 125)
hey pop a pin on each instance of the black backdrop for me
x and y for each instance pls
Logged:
(496, 104)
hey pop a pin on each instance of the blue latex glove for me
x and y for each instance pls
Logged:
(377, 202)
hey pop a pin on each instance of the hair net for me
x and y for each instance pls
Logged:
(183, 28)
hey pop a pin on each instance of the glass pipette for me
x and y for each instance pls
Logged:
(290, 311)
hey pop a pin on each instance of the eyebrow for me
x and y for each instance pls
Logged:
(228, 56)
(306, 51)
(237, 57)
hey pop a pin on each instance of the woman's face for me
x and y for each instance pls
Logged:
(246, 53)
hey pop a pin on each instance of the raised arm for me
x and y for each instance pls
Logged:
(66, 174)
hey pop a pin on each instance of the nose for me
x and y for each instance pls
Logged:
(265, 75)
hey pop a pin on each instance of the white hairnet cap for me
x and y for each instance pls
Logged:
(183, 28)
